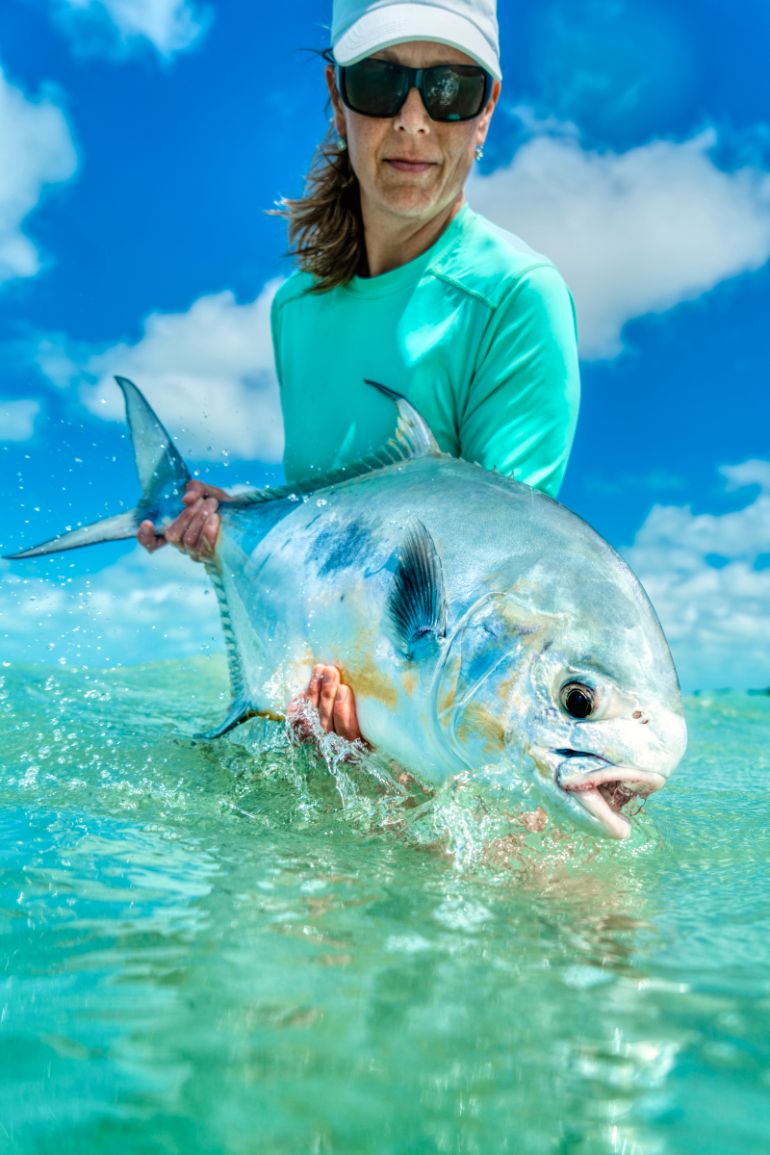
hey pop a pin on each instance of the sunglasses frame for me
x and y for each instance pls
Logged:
(415, 78)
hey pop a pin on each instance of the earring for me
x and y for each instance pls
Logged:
(479, 151)
(341, 143)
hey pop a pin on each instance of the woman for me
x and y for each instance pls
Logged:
(400, 282)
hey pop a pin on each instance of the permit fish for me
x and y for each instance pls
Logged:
(482, 626)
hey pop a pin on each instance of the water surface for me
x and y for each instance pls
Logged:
(222, 948)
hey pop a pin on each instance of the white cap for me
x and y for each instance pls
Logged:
(360, 28)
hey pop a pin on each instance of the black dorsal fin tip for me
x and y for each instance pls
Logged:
(413, 437)
(417, 602)
(388, 392)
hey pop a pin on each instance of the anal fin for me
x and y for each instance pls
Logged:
(240, 711)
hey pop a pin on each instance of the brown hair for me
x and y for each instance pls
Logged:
(326, 231)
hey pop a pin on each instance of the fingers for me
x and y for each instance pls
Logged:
(313, 692)
(320, 697)
(197, 489)
(194, 491)
(345, 717)
(297, 719)
(147, 537)
(199, 538)
(196, 529)
(334, 702)
(329, 686)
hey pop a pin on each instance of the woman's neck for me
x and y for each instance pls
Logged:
(391, 243)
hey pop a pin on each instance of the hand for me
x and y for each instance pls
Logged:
(196, 529)
(334, 702)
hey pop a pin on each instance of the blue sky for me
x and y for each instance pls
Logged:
(141, 142)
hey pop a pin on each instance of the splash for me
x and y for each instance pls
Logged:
(470, 821)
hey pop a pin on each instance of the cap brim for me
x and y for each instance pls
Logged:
(398, 23)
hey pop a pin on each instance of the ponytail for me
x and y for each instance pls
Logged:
(326, 231)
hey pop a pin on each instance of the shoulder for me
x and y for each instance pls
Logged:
(492, 264)
(296, 287)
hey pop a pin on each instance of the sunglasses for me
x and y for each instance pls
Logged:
(450, 92)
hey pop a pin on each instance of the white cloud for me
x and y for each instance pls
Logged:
(634, 232)
(17, 419)
(170, 26)
(706, 577)
(36, 149)
(142, 608)
(208, 372)
(747, 473)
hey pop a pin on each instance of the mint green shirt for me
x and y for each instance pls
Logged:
(478, 333)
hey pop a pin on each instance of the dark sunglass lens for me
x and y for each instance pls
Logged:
(374, 87)
(454, 93)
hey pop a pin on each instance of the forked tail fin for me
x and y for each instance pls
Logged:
(163, 476)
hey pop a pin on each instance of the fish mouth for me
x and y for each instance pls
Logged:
(604, 790)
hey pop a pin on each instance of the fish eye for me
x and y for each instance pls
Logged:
(577, 699)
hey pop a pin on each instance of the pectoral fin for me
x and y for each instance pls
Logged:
(417, 602)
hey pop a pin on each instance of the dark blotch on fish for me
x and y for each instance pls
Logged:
(343, 546)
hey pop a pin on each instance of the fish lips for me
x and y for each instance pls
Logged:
(603, 788)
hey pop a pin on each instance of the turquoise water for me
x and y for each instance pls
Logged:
(226, 948)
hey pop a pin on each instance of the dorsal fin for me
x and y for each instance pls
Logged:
(412, 438)
(413, 435)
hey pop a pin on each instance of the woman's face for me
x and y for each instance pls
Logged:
(411, 168)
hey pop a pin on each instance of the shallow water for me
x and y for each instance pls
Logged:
(208, 949)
